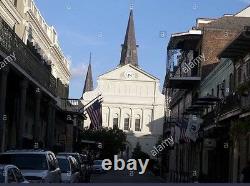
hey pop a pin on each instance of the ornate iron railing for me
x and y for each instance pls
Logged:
(72, 105)
(10, 43)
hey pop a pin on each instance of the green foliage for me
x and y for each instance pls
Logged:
(113, 140)
(139, 154)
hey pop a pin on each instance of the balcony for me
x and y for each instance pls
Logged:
(231, 103)
(71, 105)
(183, 60)
(26, 62)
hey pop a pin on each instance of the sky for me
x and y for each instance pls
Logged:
(99, 26)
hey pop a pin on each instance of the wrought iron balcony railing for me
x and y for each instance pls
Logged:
(10, 43)
(72, 105)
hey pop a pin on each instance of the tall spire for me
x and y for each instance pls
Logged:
(89, 79)
(129, 48)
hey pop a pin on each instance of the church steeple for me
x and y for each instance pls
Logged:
(129, 48)
(89, 79)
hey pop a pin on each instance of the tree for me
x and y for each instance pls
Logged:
(112, 140)
(139, 154)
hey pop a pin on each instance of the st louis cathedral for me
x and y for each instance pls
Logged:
(132, 100)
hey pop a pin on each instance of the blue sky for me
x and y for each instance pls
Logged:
(99, 26)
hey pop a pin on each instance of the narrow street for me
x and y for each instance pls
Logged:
(125, 177)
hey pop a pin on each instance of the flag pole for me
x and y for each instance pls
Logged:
(89, 103)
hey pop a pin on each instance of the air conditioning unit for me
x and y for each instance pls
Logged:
(209, 143)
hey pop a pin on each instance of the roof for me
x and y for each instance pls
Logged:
(134, 67)
(185, 40)
(241, 13)
(129, 48)
(229, 22)
(88, 86)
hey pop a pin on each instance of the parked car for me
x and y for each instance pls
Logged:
(82, 166)
(97, 167)
(36, 165)
(70, 172)
(11, 174)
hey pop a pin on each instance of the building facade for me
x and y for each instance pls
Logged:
(132, 100)
(34, 106)
(197, 83)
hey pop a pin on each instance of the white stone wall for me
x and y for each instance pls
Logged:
(135, 96)
(29, 24)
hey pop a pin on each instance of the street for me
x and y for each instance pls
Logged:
(125, 177)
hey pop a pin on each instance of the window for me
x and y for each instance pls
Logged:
(248, 68)
(231, 83)
(25, 161)
(223, 84)
(126, 123)
(115, 121)
(239, 75)
(218, 91)
(64, 165)
(138, 123)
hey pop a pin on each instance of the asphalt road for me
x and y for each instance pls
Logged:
(125, 177)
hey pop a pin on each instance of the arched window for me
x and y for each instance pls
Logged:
(218, 91)
(115, 121)
(231, 83)
(239, 75)
(126, 122)
(138, 123)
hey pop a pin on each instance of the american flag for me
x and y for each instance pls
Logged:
(95, 114)
(183, 126)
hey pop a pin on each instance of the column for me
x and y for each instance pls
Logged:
(37, 115)
(50, 125)
(22, 112)
(3, 88)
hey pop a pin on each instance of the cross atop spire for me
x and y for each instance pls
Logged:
(89, 79)
(129, 48)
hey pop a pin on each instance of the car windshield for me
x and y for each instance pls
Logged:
(64, 165)
(25, 161)
(97, 162)
(1, 176)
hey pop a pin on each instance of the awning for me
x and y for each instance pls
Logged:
(239, 47)
(183, 82)
(204, 103)
(209, 99)
(185, 40)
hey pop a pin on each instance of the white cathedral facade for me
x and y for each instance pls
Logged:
(132, 100)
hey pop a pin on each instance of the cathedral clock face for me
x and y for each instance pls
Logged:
(129, 75)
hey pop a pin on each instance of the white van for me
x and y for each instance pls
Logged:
(37, 166)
